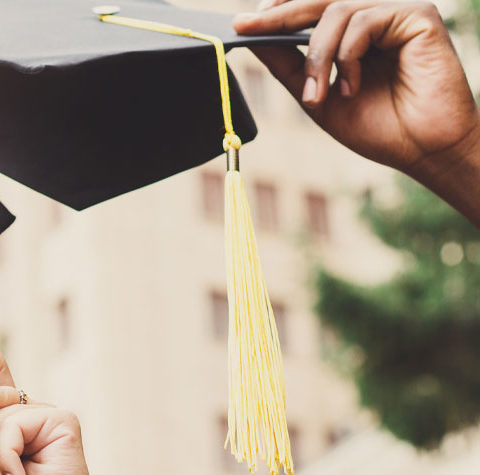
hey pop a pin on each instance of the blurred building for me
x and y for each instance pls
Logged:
(119, 312)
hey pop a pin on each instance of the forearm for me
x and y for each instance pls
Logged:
(454, 175)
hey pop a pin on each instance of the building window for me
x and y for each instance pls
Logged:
(64, 322)
(266, 206)
(255, 88)
(281, 320)
(213, 196)
(219, 312)
(336, 435)
(56, 213)
(317, 214)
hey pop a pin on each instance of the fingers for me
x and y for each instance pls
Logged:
(20, 426)
(387, 26)
(11, 448)
(324, 45)
(347, 31)
(365, 28)
(286, 64)
(36, 439)
(5, 375)
(344, 34)
(8, 396)
(334, 20)
(287, 17)
(27, 430)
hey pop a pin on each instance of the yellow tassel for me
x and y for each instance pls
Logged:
(257, 422)
(256, 418)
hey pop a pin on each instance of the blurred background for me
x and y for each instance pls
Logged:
(119, 313)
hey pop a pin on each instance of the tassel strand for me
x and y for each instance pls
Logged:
(256, 418)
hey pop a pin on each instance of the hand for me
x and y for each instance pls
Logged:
(37, 439)
(400, 97)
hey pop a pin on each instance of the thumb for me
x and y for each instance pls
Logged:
(287, 64)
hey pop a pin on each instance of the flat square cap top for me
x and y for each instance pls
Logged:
(37, 33)
(91, 110)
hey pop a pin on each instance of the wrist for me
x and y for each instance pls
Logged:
(454, 174)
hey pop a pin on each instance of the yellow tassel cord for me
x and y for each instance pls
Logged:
(256, 418)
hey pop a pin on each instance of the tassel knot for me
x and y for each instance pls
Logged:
(232, 140)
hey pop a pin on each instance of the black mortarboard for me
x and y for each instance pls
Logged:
(90, 111)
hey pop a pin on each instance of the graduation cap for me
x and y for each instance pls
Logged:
(90, 111)
(93, 109)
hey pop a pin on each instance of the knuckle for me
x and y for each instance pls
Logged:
(314, 62)
(429, 8)
(337, 9)
(67, 418)
(70, 418)
(427, 18)
(429, 12)
(343, 58)
(344, 54)
(360, 18)
(281, 26)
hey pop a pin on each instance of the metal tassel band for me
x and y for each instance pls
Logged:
(233, 160)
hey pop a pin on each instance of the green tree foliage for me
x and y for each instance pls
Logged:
(466, 18)
(475, 6)
(418, 334)
(465, 21)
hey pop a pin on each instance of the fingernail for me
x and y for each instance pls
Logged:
(310, 90)
(345, 88)
(265, 5)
